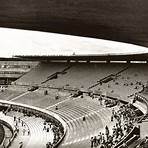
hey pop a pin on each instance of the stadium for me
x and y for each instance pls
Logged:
(66, 100)
(88, 100)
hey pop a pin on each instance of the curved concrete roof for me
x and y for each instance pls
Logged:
(118, 20)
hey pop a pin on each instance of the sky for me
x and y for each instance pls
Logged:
(22, 42)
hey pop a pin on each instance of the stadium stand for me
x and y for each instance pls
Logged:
(84, 96)
(41, 73)
(84, 75)
(128, 82)
(12, 70)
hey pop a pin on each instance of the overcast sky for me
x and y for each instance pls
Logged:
(22, 42)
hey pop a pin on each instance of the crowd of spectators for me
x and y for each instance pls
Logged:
(123, 119)
(106, 101)
(56, 131)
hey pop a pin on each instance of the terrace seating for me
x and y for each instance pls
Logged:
(80, 131)
(39, 99)
(85, 75)
(73, 110)
(9, 94)
(40, 73)
(128, 82)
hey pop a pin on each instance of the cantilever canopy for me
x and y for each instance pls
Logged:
(118, 20)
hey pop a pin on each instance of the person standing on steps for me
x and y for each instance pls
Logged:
(91, 142)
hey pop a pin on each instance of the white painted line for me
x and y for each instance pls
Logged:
(19, 96)
(68, 98)
(86, 115)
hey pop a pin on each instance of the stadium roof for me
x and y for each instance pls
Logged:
(118, 20)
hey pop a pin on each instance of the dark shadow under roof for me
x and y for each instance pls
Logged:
(126, 57)
(118, 20)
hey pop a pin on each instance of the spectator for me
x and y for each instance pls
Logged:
(45, 92)
(24, 132)
(28, 132)
(92, 142)
(95, 142)
(106, 132)
(84, 118)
